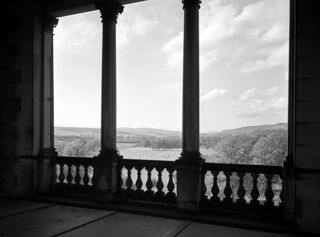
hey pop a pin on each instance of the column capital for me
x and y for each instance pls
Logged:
(50, 22)
(109, 10)
(191, 3)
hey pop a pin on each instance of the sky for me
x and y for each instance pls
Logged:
(243, 65)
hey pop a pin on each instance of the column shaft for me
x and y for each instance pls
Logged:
(190, 128)
(109, 14)
(108, 103)
(47, 151)
(47, 120)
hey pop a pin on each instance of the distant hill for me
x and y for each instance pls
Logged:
(153, 132)
(125, 132)
(249, 129)
(160, 133)
(74, 131)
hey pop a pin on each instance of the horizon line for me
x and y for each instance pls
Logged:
(210, 131)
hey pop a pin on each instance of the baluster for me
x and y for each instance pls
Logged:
(121, 189)
(215, 189)
(73, 174)
(170, 186)
(149, 185)
(139, 183)
(269, 192)
(129, 182)
(122, 179)
(159, 194)
(61, 175)
(227, 190)
(81, 173)
(281, 192)
(203, 186)
(241, 191)
(90, 169)
(65, 173)
(255, 192)
(57, 171)
(69, 176)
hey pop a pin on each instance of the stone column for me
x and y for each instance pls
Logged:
(189, 164)
(105, 170)
(47, 151)
(288, 183)
(47, 87)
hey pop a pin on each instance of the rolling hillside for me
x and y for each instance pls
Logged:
(161, 133)
(125, 132)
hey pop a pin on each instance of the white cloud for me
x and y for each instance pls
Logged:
(249, 93)
(216, 92)
(214, 27)
(260, 17)
(274, 57)
(174, 50)
(271, 91)
(216, 22)
(275, 33)
(264, 107)
(132, 27)
(78, 31)
(256, 35)
(280, 103)
(207, 58)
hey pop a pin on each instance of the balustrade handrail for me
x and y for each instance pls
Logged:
(260, 169)
(155, 163)
(72, 159)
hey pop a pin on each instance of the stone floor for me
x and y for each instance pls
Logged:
(25, 218)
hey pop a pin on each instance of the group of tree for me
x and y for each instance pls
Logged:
(268, 147)
(77, 146)
(162, 143)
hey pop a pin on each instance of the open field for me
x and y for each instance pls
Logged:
(130, 151)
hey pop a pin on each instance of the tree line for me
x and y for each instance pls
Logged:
(267, 147)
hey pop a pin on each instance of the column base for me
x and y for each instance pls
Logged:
(108, 155)
(288, 184)
(45, 173)
(189, 167)
(106, 175)
(46, 169)
(48, 152)
(191, 156)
